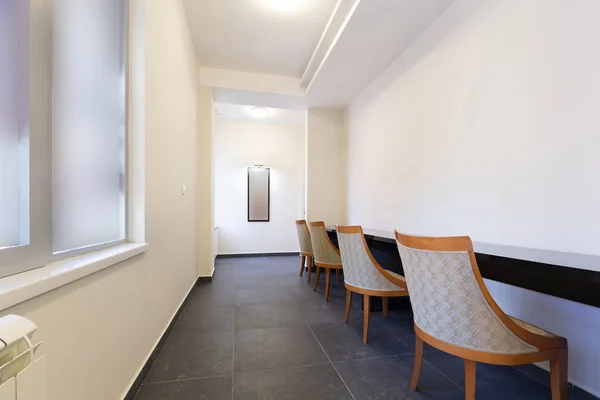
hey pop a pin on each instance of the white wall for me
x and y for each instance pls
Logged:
(240, 144)
(487, 125)
(325, 166)
(99, 331)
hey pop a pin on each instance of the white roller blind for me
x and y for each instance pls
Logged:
(14, 140)
(88, 123)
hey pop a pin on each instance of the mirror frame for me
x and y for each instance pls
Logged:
(268, 195)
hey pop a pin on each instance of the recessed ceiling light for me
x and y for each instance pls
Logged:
(285, 6)
(259, 112)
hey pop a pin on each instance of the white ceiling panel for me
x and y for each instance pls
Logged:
(377, 32)
(274, 37)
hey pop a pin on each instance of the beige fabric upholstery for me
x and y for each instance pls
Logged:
(323, 249)
(531, 328)
(359, 270)
(449, 305)
(304, 238)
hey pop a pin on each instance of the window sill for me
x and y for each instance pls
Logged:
(18, 288)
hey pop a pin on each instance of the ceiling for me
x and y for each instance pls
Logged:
(274, 37)
(377, 32)
(323, 54)
(277, 116)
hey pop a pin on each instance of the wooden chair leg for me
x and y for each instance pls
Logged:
(309, 266)
(418, 362)
(470, 372)
(559, 375)
(318, 274)
(366, 306)
(385, 306)
(327, 280)
(302, 265)
(337, 275)
(348, 304)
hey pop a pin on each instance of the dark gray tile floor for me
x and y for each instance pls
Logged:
(258, 331)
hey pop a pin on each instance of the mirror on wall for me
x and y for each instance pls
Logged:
(259, 193)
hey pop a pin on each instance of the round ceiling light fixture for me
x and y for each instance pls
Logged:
(259, 112)
(285, 6)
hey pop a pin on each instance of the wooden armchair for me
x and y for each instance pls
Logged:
(326, 254)
(362, 274)
(455, 313)
(306, 250)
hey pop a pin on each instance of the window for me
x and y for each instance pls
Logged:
(88, 136)
(62, 129)
(14, 134)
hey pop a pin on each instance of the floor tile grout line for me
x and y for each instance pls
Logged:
(303, 316)
(413, 350)
(330, 362)
(367, 358)
(534, 379)
(284, 367)
(529, 376)
(165, 342)
(327, 355)
(292, 289)
(458, 385)
(294, 302)
(185, 379)
(395, 355)
(444, 375)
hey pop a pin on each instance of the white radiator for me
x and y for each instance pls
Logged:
(22, 371)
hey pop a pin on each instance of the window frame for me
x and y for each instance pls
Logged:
(40, 252)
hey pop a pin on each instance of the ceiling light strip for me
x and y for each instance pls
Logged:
(341, 14)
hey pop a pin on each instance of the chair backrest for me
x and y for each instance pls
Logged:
(304, 237)
(324, 251)
(449, 299)
(360, 268)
